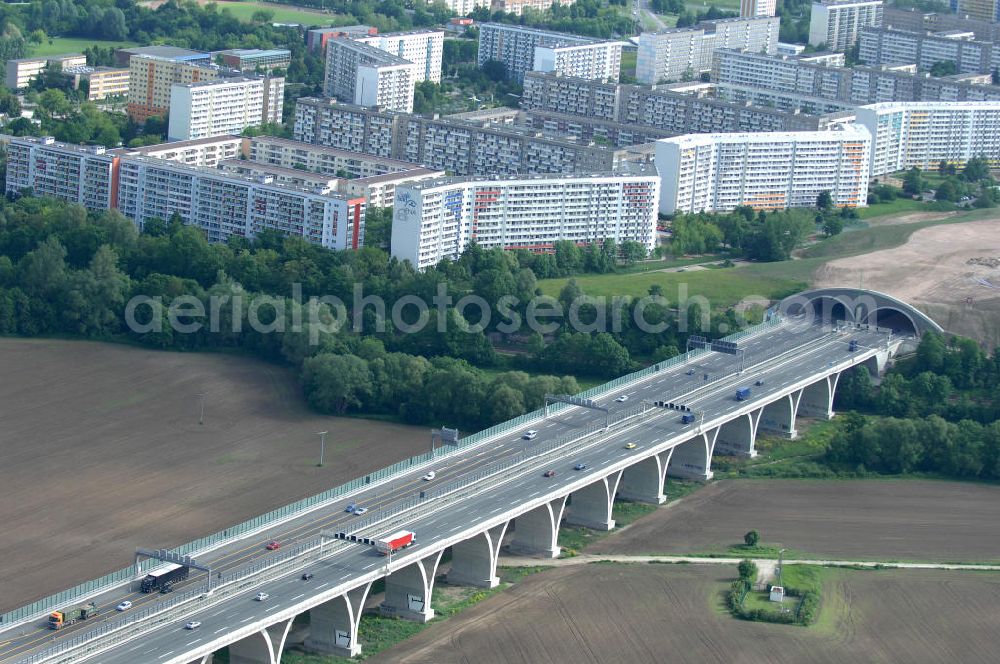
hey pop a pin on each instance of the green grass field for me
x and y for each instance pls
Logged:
(898, 206)
(628, 63)
(61, 45)
(284, 13)
(723, 288)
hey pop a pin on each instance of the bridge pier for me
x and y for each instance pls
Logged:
(536, 532)
(474, 561)
(692, 459)
(408, 590)
(816, 400)
(263, 647)
(333, 626)
(779, 416)
(591, 505)
(643, 481)
(736, 437)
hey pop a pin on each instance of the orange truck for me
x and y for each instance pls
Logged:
(395, 542)
(59, 619)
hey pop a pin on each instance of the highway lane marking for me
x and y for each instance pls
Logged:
(454, 529)
(194, 642)
(298, 596)
(271, 608)
(220, 630)
(165, 654)
(496, 510)
(216, 613)
(246, 620)
(324, 585)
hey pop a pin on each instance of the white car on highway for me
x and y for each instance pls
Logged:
(358, 511)
(429, 476)
(124, 606)
(530, 434)
(622, 399)
(194, 624)
(261, 597)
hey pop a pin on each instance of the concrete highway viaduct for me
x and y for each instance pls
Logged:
(523, 513)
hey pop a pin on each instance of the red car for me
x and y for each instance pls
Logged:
(549, 473)
(273, 545)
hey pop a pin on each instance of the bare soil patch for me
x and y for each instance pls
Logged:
(915, 520)
(649, 614)
(102, 452)
(932, 271)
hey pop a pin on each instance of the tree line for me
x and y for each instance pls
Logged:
(755, 234)
(64, 271)
(939, 412)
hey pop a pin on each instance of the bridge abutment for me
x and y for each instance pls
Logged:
(408, 590)
(333, 625)
(474, 561)
(643, 481)
(536, 532)
(591, 505)
(692, 459)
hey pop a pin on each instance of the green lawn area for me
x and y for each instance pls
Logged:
(723, 288)
(898, 206)
(628, 63)
(703, 5)
(284, 13)
(61, 45)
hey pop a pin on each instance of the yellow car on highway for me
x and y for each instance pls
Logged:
(630, 446)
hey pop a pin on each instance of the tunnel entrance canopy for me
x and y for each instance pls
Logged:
(830, 306)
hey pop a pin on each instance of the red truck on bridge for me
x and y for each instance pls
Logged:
(395, 542)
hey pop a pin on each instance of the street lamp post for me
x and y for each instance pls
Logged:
(322, 447)
(201, 408)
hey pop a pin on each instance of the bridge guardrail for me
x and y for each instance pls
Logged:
(94, 587)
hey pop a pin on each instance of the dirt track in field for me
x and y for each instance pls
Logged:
(650, 614)
(101, 451)
(852, 519)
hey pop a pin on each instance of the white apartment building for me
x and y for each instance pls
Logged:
(465, 7)
(375, 190)
(765, 170)
(923, 134)
(74, 173)
(357, 73)
(757, 8)
(208, 152)
(21, 72)
(437, 219)
(837, 23)
(223, 106)
(684, 53)
(424, 48)
(225, 204)
(527, 49)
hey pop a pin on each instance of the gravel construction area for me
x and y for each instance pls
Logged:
(102, 452)
(949, 272)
